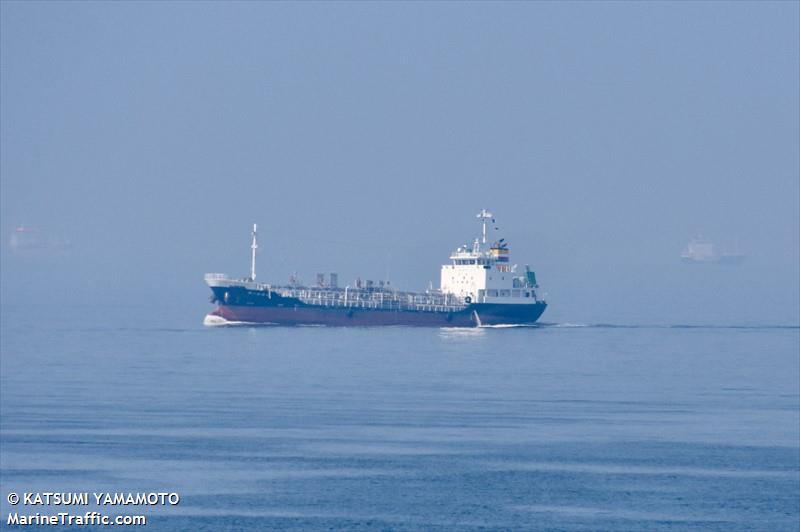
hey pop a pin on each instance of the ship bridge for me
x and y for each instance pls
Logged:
(483, 273)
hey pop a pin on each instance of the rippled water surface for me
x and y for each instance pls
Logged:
(557, 427)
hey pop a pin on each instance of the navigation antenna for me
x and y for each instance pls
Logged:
(485, 215)
(253, 247)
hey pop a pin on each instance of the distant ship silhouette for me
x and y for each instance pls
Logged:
(699, 250)
(28, 240)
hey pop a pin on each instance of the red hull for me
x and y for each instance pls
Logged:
(342, 317)
(472, 316)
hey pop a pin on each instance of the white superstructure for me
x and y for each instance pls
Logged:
(699, 250)
(483, 272)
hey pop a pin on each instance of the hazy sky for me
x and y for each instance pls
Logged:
(364, 138)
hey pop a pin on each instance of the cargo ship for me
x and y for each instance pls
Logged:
(479, 287)
(701, 251)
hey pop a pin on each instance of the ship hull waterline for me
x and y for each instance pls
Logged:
(475, 315)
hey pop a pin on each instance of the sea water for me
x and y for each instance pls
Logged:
(556, 427)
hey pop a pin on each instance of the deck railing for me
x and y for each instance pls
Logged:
(377, 299)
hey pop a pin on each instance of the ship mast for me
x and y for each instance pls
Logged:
(253, 247)
(484, 215)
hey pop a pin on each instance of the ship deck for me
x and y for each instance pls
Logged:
(375, 298)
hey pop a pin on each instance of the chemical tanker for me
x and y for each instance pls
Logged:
(479, 287)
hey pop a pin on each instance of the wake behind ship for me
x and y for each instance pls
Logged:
(479, 287)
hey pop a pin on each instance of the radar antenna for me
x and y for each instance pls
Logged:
(483, 216)
(253, 247)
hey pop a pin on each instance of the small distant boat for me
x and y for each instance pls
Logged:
(31, 241)
(699, 250)
(25, 238)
